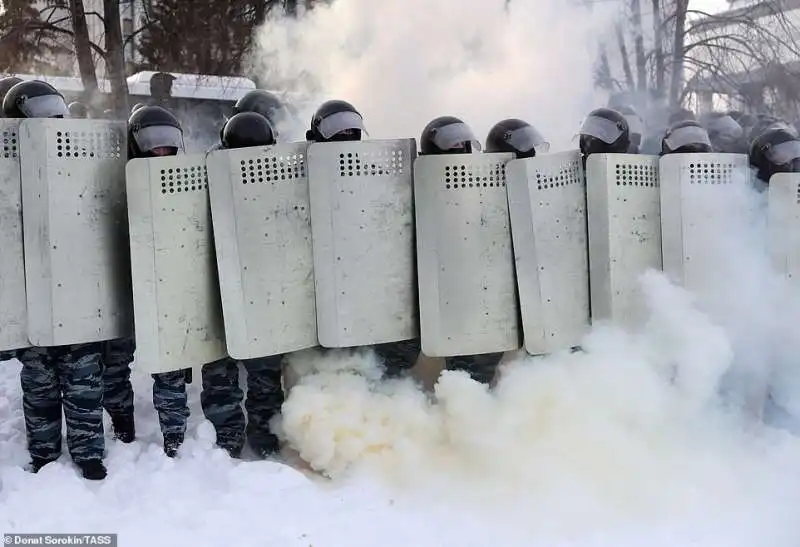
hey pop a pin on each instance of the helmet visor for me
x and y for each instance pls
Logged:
(525, 139)
(158, 136)
(44, 106)
(684, 136)
(339, 122)
(602, 128)
(453, 136)
(725, 126)
(783, 153)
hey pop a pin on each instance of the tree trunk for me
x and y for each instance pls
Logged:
(638, 45)
(83, 50)
(115, 58)
(658, 34)
(678, 52)
(626, 63)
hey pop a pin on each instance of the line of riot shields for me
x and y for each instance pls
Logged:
(262, 251)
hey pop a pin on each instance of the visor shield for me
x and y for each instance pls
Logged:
(454, 136)
(44, 106)
(158, 136)
(340, 122)
(783, 153)
(601, 128)
(526, 139)
(684, 136)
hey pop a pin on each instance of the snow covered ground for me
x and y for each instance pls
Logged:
(623, 445)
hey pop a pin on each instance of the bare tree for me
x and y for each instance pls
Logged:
(683, 50)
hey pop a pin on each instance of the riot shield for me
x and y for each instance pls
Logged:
(624, 219)
(13, 303)
(176, 300)
(262, 235)
(784, 223)
(362, 220)
(699, 194)
(77, 266)
(465, 264)
(547, 202)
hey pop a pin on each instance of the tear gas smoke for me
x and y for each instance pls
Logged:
(403, 63)
(651, 430)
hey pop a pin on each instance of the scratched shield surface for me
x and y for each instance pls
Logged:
(547, 202)
(262, 231)
(465, 262)
(77, 265)
(177, 308)
(624, 218)
(362, 221)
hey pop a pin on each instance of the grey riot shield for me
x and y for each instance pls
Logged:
(262, 234)
(13, 303)
(699, 201)
(624, 213)
(547, 201)
(465, 263)
(362, 220)
(75, 230)
(784, 223)
(176, 299)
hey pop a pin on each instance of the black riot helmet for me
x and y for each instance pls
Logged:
(247, 129)
(517, 136)
(448, 135)
(34, 99)
(775, 151)
(635, 127)
(724, 132)
(261, 102)
(604, 131)
(7, 83)
(686, 137)
(336, 121)
(154, 131)
(767, 122)
(136, 107)
(78, 110)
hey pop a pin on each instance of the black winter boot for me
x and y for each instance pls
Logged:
(124, 427)
(36, 464)
(264, 444)
(93, 470)
(171, 444)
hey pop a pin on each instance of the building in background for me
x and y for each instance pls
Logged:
(749, 73)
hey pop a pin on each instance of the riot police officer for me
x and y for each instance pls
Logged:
(604, 131)
(339, 121)
(516, 136)
(686, 137)
(67, 378)
(221, 397)
(152, 132)
(775, 151)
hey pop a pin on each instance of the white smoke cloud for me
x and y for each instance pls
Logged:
(403, 63)
(636, 431)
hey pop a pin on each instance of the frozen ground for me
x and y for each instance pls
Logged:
(625, 445)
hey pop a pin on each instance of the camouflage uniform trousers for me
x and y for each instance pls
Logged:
(399, 357)
(221, 399)
(67, 377)
(117, 389)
